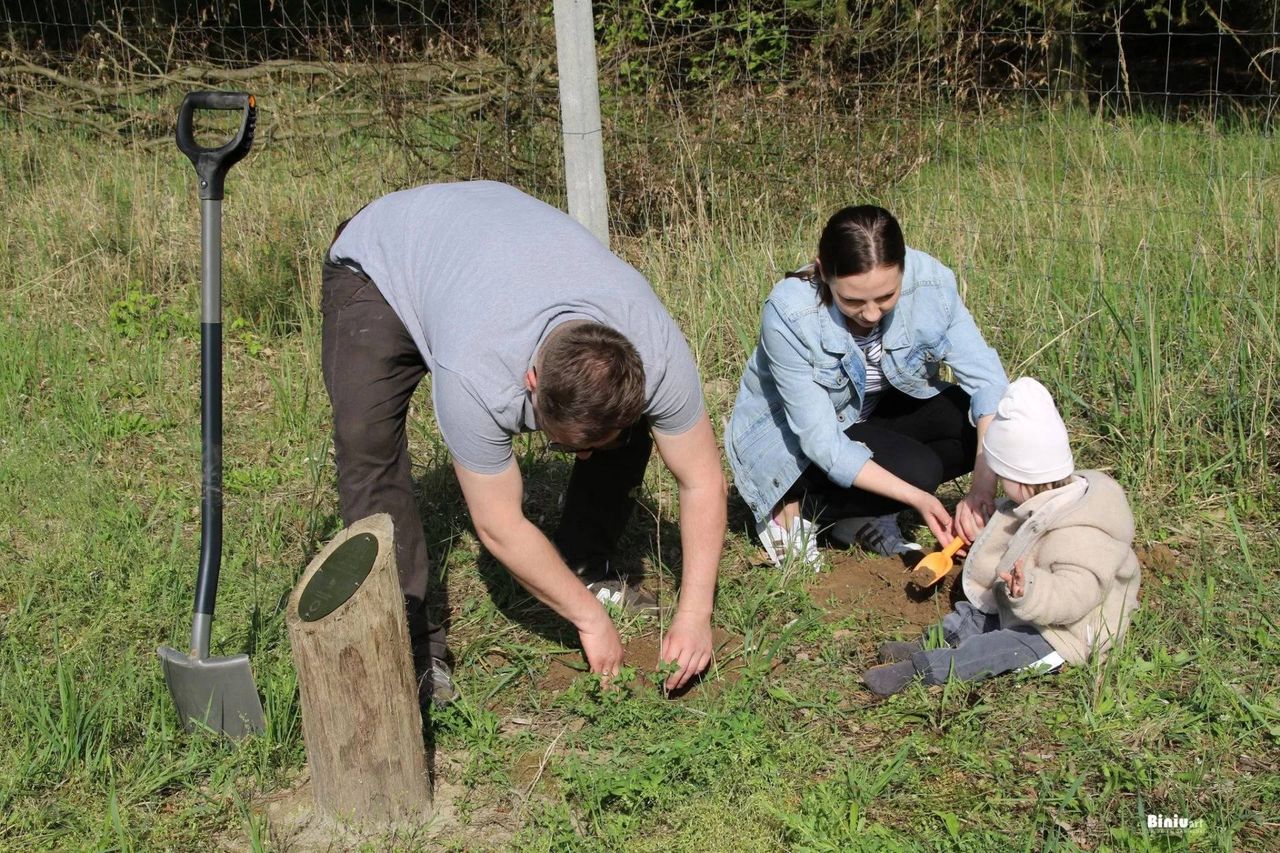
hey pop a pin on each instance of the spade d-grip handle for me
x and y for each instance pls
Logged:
(212, 164)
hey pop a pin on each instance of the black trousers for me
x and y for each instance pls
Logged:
(371, 368)
(925, 442)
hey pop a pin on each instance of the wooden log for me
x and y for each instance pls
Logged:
(360, 715)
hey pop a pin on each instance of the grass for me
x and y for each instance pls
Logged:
(1130, 264)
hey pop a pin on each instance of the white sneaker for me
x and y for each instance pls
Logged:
(798, 543)
(878, 534)
(622, 594)
(435, 685)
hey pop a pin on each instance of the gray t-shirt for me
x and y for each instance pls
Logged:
(480, 273)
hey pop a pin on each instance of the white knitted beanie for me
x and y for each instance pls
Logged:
(1027, 441)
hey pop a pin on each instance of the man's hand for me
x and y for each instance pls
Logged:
(602, 646)
(972, 514)
(495, 501)
(688, 646)
(1014, 580)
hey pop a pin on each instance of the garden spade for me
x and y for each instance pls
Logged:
(934, 567)
(217, 692)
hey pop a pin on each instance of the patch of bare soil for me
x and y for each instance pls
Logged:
(296, 826)
(879, 589)
(882, 586)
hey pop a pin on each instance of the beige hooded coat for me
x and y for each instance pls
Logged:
(1076, 544)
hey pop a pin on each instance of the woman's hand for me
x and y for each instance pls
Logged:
(934, 514)
(881, 481)
(976, 508)
(972, 514)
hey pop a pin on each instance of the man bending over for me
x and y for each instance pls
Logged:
(526, 322)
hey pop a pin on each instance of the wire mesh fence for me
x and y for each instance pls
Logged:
(797, 69)
(794, 93)
(1112, 162)
(798, 100)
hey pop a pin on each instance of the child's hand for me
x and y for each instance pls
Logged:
(1015, 580)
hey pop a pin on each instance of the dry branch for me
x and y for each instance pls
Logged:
(102, 103)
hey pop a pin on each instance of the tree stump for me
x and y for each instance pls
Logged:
(360, 715)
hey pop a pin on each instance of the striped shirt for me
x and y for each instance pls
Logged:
(875, 384)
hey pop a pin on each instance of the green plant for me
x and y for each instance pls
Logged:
(139, 313)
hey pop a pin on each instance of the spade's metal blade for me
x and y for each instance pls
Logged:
(215, 692)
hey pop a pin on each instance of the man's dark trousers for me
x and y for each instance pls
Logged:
(371, 368)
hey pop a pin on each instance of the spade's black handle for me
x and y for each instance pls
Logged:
(212, 164)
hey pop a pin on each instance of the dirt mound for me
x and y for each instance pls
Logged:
(1160, 560)
(882, 586)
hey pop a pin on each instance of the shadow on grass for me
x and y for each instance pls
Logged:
(546, 476)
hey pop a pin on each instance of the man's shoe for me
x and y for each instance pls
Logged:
(878, 534)
(799, 542)
(621, 593)
(889, 678)
(893, 651)
(435, 684)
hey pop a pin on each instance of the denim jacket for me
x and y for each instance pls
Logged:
(802, 386)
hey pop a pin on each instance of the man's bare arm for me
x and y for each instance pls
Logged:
(694, 459)
(495, 503)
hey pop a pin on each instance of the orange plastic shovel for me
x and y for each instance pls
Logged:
(934, 567)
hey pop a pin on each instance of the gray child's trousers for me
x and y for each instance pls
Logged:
(980, 648)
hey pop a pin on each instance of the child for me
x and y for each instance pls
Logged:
(1051, 579)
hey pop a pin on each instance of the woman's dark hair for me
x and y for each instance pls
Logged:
(857, 239)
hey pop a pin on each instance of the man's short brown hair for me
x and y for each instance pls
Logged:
(590, 385)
